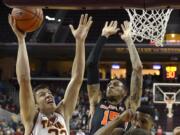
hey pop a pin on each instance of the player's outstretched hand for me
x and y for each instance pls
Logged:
(12, 22)
(110, 28)
(126, 31)
(81, 32)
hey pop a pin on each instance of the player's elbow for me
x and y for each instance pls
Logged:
(23, 78)
(78, 79)
(138, 68)
(78, 75)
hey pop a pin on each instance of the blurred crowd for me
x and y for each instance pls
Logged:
(79, 122)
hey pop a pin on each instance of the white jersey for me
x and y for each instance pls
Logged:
(43, 126)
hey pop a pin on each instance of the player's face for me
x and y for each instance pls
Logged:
(45, 100)
(143, 121)
(115, 89)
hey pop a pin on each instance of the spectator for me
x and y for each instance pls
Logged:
(18, 131)
(159, 130)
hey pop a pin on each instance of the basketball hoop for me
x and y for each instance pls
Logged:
(149, 24)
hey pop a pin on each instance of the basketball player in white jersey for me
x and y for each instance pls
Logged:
(39, 113)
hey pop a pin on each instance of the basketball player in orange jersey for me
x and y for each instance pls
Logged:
(104, 109)
(142, 119)
(50, 119)
(108, 129)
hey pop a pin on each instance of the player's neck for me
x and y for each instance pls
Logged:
(48, 114)
(113, 101)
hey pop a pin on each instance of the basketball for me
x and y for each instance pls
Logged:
(28, 19)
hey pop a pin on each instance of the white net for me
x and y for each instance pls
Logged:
(149, 24)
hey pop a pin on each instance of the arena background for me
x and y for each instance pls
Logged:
(51, 51)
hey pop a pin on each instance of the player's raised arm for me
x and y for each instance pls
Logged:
(72, 91)
(27, 103)
(136, 77)
(93, 87)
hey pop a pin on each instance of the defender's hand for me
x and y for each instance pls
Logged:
(110, 29)
(126, 31)
(20, 35)
(81, 32)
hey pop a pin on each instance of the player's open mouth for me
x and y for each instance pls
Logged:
(49, 100)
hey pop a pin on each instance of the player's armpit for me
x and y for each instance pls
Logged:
(67, 105)
(60, 108)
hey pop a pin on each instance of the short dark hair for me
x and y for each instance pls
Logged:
(37, 88)
(137, 131)
(40, 86)
(147, 110)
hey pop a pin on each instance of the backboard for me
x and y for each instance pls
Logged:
(95, 4)
(164, 91)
